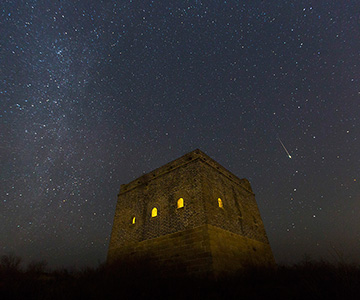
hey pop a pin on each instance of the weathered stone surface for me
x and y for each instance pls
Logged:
(202, 236)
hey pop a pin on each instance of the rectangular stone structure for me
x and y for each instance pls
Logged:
(190, 212)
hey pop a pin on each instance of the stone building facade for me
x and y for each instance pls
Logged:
(193, 212)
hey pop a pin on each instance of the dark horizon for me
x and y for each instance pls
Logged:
(144, 278)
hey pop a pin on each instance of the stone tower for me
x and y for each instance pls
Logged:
(193, 212)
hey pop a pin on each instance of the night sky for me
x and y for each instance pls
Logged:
(93, 94)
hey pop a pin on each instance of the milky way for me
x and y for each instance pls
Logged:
(96, 93)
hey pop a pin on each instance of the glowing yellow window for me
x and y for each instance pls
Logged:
(154, 212)
(220, 203)
(133, 220)
(180, 203)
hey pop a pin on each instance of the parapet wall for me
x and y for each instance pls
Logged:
(185, 159)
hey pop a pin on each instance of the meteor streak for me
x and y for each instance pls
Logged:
(287, 152)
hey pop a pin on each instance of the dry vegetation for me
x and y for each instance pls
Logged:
(144, 280)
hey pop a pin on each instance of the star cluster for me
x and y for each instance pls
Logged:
(96, 93)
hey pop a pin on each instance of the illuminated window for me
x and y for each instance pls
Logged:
(154, 212)
(180, 203)
(133, 220)
(220, 203)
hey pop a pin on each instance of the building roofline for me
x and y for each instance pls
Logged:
(187, 158)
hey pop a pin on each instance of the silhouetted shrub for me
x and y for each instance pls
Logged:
(37, 267)
(10, 262)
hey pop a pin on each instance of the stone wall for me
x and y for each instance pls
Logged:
(239, 213)
(231, 252)
(187, 250)
(203, 250)
(161, 192)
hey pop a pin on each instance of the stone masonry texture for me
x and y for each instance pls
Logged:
(202, 236)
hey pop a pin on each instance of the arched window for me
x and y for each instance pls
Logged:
(133, 220)
(180, 203)
(221, 205)
(154, 212)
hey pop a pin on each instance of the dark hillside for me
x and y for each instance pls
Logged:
(146, 280)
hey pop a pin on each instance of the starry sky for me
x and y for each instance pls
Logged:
(94, 94)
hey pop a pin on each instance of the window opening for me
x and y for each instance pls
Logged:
(221, 205)
(180, 203)
(154, 212)
(133, 220)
